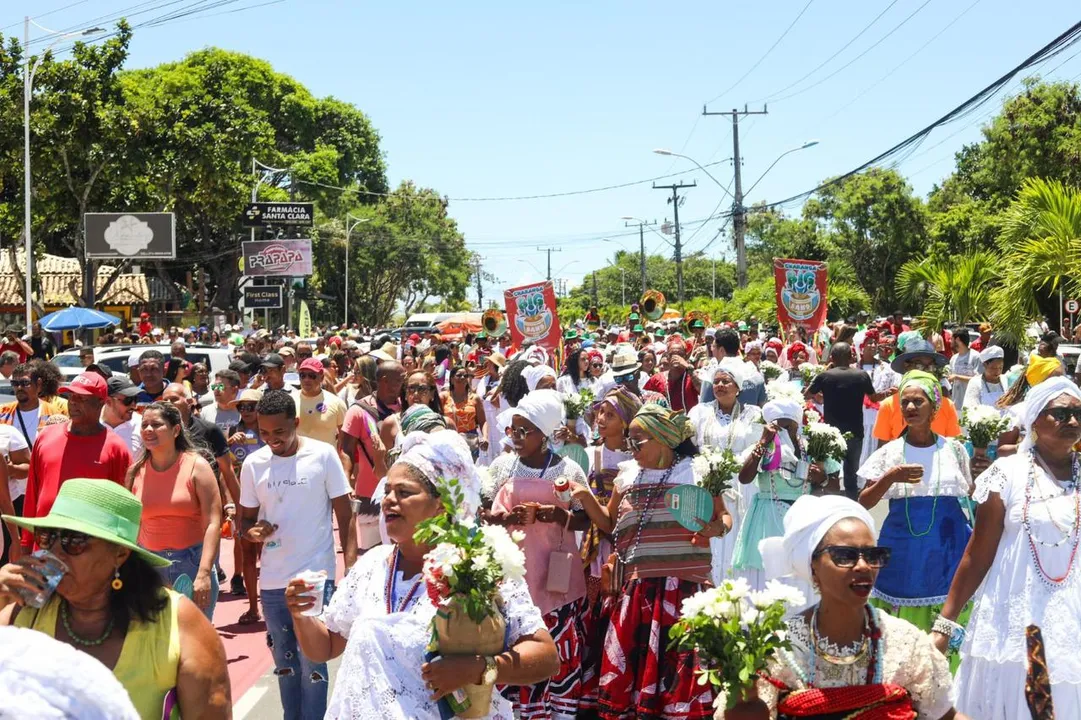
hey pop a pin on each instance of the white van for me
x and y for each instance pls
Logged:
(426, 319)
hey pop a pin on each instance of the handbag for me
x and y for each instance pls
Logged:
(560, 563)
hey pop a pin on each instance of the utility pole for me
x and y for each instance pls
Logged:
(641, 249)
(595, 302)
(480, 282)
(738, 211)
(549, 251)
(674, 200)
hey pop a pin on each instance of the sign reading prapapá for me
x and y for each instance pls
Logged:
(801, 292)
(130, 235)
(532, 316)
(262, 297)
(292, 258)
(262, 214)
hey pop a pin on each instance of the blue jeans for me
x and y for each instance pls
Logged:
(186, 564)
(302, 684)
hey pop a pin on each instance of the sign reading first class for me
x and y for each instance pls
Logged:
(292, 214)
(262, 297)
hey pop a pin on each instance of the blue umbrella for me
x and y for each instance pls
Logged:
(77, 318)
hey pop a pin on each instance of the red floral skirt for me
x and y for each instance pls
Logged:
(559, 695)
(596, 613)
(640, 677)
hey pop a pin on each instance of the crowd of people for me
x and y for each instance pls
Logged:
(323, 455)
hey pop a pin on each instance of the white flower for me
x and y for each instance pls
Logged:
(778, 591)
(725, 608)
(517, 536)
(737, 588)
(487, 483)
(445, 557)
(700, 464)
(505, 551)
(750, 615)
(780, 635)
(784, 391)
(812, 416)
(695, 604)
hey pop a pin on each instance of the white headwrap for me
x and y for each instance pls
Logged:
(805, 524)
(783, 407)
(734, 367)
(752, 345)
(535, 355)
(534, 373)
(543, 408)
(1037, 399)
(992, 353)
(443, 454)
(45, 679)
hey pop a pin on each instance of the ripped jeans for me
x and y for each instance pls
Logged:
(301, 683)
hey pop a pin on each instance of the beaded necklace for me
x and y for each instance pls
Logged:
(1026, 520)
(874, 663)
(388, 590)
(65, 618)
(936, 463)
(655, 491)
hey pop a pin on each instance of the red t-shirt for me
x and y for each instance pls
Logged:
(145, 326)
(359, 424)
(682, 399)
(59, 456)
(15, 348)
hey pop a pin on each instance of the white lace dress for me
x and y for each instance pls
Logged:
(908, 659)
(737, 432)
(990, 683)
(379, 675)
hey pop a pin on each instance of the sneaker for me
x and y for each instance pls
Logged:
(236, 586)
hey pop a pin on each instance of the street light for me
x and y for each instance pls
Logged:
(28, 87)
(804, 146)
(530, 265)
(572, 262)
(617, 244)
(622, 283)
(669, 153)
(348, 230)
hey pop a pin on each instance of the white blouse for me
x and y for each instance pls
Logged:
(717, 429)
(379, 675)
(945, 469)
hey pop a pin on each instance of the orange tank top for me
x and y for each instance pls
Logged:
(465, 415)
(172, 518)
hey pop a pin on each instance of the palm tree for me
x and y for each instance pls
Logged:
(950, 289)
(1040, 247)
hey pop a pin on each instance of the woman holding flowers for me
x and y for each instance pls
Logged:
(845, 656)
(527, 499)
(725, 425)
(925, 477)
(1020, 654)
(381, 617)
(657, 563)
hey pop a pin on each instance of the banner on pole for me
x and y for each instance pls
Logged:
(136, 236)
(292, 258)
(532, 317)
(304, 323)
(801, 292)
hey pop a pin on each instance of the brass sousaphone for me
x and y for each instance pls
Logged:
(653, 305)
(494, 322)
(696, 315)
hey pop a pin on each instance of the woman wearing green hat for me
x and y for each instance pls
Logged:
(111, 604)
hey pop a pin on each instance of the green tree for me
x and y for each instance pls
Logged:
(949, 289)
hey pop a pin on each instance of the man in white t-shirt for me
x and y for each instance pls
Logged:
(15, 453)
(321, 413)
(119, 415)
(288, 490)
(223, 412)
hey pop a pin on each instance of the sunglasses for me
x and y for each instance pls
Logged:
(596, 365)
(309, 376)
(245, 407)
(635, 444)
(73, 543)
(304, 356)
(21, 383)
(217, 387)
(417, 388)
(1062, 415)
(129, 401)
(624, 378)
(520, 433)
(845, 556)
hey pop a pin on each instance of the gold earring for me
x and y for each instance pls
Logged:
(117, 582)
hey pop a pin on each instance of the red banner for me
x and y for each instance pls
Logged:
(801, 292)
(532, 317)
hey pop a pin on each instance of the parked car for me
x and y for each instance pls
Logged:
(115, 357)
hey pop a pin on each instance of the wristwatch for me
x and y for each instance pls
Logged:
(490, 671)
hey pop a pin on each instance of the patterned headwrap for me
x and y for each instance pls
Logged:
(776, 344)
(1040, 368)
(443, 454)
(677, 342)
(666, 427)
(421, 418)
(931, 385)
(625, 403)
(796, 347)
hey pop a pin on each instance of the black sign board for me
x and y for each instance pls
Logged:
(264, 214)
(262, 297)
(130, 235)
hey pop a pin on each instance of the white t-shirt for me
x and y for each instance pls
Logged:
(131, 432)
(295, 494)
(28, 421)
(12, 440)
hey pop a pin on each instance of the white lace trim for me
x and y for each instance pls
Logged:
(950, 462)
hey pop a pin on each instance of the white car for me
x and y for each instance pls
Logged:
(115, 357)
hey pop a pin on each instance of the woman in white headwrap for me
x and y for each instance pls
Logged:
(778, 466)
(991, 384)
(526, 499)
(853, 656)
(380, 618)
(1021, 646)
(723, 423)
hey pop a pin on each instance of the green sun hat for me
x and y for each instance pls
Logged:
(637, 328)
(99, 508)
(697, 324)
(570, 334)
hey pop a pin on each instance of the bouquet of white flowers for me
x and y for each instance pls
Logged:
(769, 370)
(784, 391)
(808, 372)
(714, 469)
(825, 442)
(983, 424)
(462, 573)
(576, 404)
(811, 416)
(735, 632)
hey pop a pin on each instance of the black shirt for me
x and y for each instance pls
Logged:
(843, 390)
(208, 438)
(42, 347)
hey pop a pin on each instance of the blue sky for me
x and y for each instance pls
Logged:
(486, 99)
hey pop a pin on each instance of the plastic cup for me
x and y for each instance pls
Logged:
(318, 580)
(53, 569)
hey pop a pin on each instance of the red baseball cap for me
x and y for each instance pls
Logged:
(89, 383)
(415, 338)
(311, 365)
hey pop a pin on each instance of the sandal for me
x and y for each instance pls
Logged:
(249, 617)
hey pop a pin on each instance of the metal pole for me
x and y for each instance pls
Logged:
(345, 324)
(622, 286)
(737, 218)
(714, 278)
(642, 255)
(679, 249)
(26, 172)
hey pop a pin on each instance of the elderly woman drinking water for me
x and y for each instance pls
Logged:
(381, 617)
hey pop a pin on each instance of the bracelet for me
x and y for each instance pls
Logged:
(954, 631)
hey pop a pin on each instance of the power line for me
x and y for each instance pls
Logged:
(764, 55)
(45, 14)
(831, 57)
